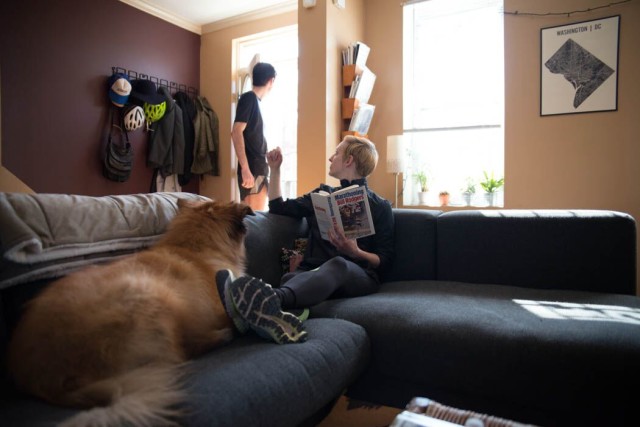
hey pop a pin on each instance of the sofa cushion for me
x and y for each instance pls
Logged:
(250, 382)
(549, 249)
(553, 349)
(266, 236)
(415, 250)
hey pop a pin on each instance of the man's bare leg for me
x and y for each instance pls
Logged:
(258, 201)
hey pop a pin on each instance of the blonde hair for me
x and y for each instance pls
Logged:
(364, 154)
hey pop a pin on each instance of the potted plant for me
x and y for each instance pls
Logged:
(421, 177)
(490, 185)
(469, 191)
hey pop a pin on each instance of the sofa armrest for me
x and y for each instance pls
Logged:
(547, 249)
(46, 236)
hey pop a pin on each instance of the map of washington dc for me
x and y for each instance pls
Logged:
(580, 68)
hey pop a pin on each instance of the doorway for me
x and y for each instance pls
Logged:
(279, 109)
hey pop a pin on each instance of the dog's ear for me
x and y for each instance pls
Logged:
(236, 213)
(245, 210)
(185, 203)
(182, 203)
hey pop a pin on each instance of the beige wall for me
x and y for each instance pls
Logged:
(344, 26)
(578, 160)
(313, 110)
(383, 34)
(324, 31)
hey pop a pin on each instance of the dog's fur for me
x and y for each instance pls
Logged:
(115, 337)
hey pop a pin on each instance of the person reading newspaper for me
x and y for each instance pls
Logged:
(339, 267)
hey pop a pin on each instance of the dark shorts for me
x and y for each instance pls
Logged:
(260, 182)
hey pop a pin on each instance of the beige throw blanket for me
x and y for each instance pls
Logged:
(48, 235)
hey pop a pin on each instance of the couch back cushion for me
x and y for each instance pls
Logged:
(267, 235)
(415, 236)
(547, 249)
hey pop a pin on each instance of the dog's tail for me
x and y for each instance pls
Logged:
(144, 397)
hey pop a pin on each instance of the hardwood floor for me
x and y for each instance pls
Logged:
(354, 413)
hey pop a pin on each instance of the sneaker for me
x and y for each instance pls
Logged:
(259, 306)
(224, 278)
(300, 313)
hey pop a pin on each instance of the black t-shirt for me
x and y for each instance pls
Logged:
(255, 144)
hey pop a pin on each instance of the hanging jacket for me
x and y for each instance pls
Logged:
(188, 107)
(207, 139)
(166, 141)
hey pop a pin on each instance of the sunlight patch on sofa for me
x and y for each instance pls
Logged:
(576, 311)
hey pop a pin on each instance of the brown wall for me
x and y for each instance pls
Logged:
(56, 57)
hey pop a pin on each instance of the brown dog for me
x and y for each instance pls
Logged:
(114, 337)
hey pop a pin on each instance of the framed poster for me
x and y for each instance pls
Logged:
(579, 67)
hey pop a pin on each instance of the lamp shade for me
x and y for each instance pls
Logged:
(395, 153)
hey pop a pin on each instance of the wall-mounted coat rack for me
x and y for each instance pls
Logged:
(172, 86)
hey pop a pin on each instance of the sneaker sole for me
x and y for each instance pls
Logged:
(224, 278)
(259, 306)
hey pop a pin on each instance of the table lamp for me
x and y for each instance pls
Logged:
(395, 159)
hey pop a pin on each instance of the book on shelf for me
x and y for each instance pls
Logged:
(361, 119)
(363, 85)
(356, 53)
(347, 209)
(361, 54)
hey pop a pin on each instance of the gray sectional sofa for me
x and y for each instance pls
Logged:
(527, 315)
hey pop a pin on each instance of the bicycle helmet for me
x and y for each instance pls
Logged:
(133, 118)
(154, 112)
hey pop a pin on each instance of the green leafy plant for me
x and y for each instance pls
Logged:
(470, 188)
(422, 181)
(490, 184)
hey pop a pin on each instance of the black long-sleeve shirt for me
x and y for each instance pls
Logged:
(319, 250)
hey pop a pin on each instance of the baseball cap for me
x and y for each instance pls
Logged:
(119, 89)
(145, 90)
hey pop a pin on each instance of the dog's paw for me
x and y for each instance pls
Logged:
(223, 335)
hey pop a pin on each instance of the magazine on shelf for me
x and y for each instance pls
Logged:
(348, 209)
(361, 119)
(363, 85)
(361, 54)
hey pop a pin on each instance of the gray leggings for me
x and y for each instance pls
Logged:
(336, 278)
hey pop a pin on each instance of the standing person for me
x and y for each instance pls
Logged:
(340, 267)
(249, 141)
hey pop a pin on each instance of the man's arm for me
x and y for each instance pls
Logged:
(274, 160)
(238, 143)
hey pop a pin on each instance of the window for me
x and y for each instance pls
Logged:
(453, 97)
(280, 108)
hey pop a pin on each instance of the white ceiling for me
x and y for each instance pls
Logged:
(201, 16)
